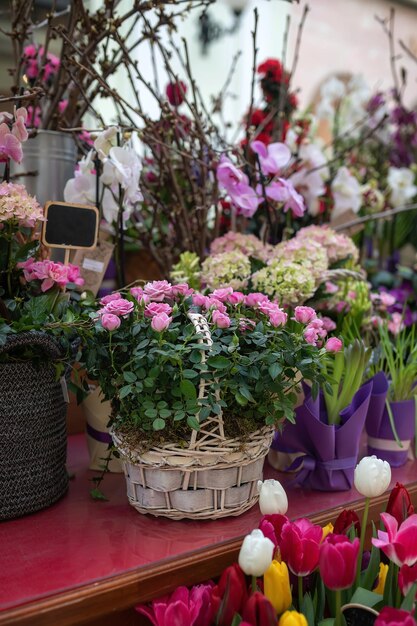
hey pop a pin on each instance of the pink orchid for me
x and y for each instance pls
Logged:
(245, 199)
(272, 158)
(399, 544)
(228, 175)
(282, 190)
(10, 146)
(184, 607)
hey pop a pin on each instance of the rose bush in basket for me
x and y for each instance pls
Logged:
(145, 353)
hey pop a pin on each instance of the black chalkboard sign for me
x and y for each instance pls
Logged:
(71, 226)
(356, 615)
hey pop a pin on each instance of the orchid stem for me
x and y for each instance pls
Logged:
(300, 592)
(254, 586)
(338, 607)
(362, 542)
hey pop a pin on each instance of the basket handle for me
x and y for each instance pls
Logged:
(32, 338)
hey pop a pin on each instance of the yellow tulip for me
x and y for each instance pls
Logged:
(382, 576)
(277, 586)
(327, 530)
(292, 618)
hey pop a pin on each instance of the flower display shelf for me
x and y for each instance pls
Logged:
(88, 562)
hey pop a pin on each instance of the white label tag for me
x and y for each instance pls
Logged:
(94, 266)
(64, 389)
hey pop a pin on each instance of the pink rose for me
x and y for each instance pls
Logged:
(328, 324)
(311, 335)
(334, 344)
(74, 275)
(214, 303)
(137, 293)
(395, 324)
(161, 322)
(318, 326)
(112, 296)
(182, 289)
(156, 308)
(221, 294)
(277, 318)
(199, 299)
(330, 287)
(254, 299)
(237, 297)
(304, 314)
(220, 319)
(246, 324)
(121, 307)
(110, 321)
(158, 290)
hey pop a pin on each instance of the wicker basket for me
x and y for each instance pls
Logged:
(214, 477)
(33, 436)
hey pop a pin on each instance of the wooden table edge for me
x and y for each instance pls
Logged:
(81, 604)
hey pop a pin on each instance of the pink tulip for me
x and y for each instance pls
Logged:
(338, 560)
(407, 576)
(304, 314)
(161, 322)
(394, 617)
(121, 307)
(271, 526)
(333, 344)
(183, 607)
(110, 321)
(155, 308)
(299, 546)
(221, 319)
(399, 544)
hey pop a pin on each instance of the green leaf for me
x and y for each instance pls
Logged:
(193, 422)
(244, 391)
(274, 370)
(368, 598)
(189, 373)
(307, 609)
(241, 399)
(408, 602)
(164, 413)
(188, 390)
(371, 572)
(158, 424)
(129, 377)
(151, 413)
(204, 413)
(179, 415)
(96, 494)
(218, 362)
(125, 391)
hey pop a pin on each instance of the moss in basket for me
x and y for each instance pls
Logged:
(150, 361)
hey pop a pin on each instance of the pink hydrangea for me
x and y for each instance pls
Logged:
(158, 290)
(156, 308)
(17, 206)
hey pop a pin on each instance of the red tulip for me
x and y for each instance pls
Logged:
(394, 617)
(407, 576)
(399, 544)
(399, 503)
(176, 92)
(258, 611)
(338, 561)
(229, 596)
(299, 545)
(271, 526)
(346, 519)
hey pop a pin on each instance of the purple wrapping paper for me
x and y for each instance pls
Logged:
(331, 452)
(378, 425)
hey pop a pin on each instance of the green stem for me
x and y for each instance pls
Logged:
(300, 592)
(254, 586)
(362, 541)
(338, 607)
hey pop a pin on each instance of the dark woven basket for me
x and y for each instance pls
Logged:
(33, 437)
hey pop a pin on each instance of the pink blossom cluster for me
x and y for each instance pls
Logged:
(12, 134)
(395, 322)
(18, 207)
(37, 63)
(115, 307)
(247, 244)
(272, 160)
(51, 273)
(317, 328)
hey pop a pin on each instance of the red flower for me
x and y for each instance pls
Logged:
(399, 503)
(272, 68)
(338, 561)
(258, 611)
(394, 617)
(229, 596)
(346, 519)
(407, 576)
(175, 93)
(257, 117)
(264, 137)
(271, 526)
(299, 545)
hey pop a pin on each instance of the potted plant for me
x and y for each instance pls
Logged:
(197, 384)
(390, 424)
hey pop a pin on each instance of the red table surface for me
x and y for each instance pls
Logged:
(79, 541)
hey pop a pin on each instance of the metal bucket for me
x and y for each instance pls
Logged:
(49, 160)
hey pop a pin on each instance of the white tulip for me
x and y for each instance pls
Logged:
(256, 553)
(272, 497)
(372, 476)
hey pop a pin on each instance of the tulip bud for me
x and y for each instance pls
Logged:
(255, 555)
(346, 519)
(338, 561)
(399, 503)
(258, 611)
(382, 577)
(372, 476)
(277, 586)
(292, 618)
(394, 617)
(272, 497)
(229, 596)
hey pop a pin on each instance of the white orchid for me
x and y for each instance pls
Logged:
(311, 183)
(346, 191)
(105, 141)
(123, 167)
(401, 184)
